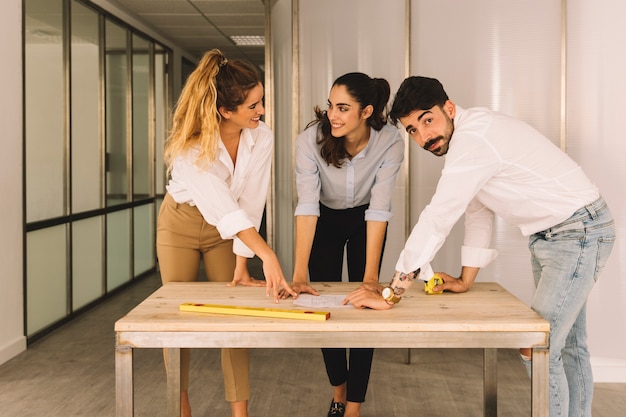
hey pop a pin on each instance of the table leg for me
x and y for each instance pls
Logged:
(490, 382)
(124, 406)
(173, 382)
(540, 401)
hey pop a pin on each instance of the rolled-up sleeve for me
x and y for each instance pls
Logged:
(475, 251)
(206, 189)
(232, 223)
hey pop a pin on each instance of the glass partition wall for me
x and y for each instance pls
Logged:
(96, 101)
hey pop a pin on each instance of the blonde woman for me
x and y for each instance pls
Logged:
(218, 157)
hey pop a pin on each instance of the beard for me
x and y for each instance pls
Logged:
(443, 140)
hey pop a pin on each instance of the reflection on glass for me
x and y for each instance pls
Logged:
(116, 114)
(46, 295)
(44, 91)
(141, 117)
(87, 261)
(144, 238)
(85, 133)
(118, 249)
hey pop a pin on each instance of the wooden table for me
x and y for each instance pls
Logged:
(486, 317)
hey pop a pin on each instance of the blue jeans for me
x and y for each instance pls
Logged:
(566, 261)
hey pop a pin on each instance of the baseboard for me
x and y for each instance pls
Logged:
(611, 370)
(12, 349)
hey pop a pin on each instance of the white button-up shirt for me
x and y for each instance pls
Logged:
(495, 165)
(231, 198)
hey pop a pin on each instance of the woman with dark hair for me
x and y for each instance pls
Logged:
(212, 210)
(347, 161)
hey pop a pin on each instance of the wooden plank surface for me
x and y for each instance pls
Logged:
(487, 307)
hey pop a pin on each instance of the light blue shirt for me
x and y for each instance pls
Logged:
(368, 178)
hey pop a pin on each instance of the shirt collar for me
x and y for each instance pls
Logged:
(245, 138)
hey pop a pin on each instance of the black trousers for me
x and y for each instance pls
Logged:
(336, 230)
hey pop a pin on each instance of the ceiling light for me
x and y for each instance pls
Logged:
(248, 40)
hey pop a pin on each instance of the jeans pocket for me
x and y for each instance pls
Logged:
(605, 247)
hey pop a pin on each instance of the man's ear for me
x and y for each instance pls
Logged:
(367, 111)
(224, 112)
(450, 108)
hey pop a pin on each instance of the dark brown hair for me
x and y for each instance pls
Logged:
(417, 93)
(365, 91)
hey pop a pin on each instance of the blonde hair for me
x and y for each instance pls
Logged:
(215, 83)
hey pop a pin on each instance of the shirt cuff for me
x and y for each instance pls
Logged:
(477, 257)
(240, 248)
(307, 209)
(233, 223)
(426, 272)
(377, 215)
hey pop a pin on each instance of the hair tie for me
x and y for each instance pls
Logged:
(223, 62)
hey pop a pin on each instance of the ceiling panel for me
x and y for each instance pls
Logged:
(197, 26)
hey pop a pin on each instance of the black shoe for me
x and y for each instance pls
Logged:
(336, 409)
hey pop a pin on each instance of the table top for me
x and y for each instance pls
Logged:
(487, 307)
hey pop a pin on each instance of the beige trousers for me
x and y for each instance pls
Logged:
(183, 236)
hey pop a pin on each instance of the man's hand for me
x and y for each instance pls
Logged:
(451, 284)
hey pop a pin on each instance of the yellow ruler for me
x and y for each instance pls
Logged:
(256, 311)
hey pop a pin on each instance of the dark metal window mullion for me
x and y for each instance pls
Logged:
(67, 139)
(129, 145)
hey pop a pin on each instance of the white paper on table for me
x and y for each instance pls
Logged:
(321, 301)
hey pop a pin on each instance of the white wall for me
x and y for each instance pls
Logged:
(595, 101)
(12, 340)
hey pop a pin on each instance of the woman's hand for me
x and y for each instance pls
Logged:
(372, 286)
(365, 296)
(298, 288)
(242, 276)
(274, 278)
(246, 280)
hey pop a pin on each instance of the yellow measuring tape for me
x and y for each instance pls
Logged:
(430, 284)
